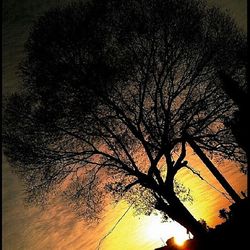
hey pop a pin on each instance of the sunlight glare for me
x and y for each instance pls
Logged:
(179, 233)
(180, 239)
(156, 230)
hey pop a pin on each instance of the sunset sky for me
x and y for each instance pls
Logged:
(57, 227)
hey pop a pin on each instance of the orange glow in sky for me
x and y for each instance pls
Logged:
(58, 228)
(148, 232)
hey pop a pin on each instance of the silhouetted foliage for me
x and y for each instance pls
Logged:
(109, 90)
(204, 224)
(224, 214)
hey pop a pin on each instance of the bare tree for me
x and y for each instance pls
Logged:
(110, 90)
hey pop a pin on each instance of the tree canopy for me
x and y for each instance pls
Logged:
(110, 91)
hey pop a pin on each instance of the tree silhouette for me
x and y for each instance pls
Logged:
(110, 91)
(238, 90)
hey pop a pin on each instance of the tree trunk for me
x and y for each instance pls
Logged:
(214, 170)
(178, 212)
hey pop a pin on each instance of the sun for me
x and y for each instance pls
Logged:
(180, 238)
(155, 230)
(179, 233)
